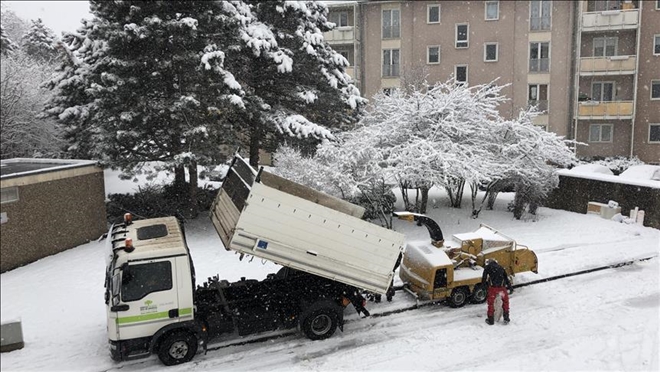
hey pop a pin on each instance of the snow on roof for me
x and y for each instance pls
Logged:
(642, 172)
(591, 168)
(648, 182)
(20, 167)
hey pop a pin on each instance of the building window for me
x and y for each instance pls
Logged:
(391, 24)
(600, 133)
(433, 14)
(492, 10)
(346, 54)
(656, 45)
(490, 52)
(655, 89)
(390, 62)
(433, 54)
(654, 133)
(538, 96)
(539, 16)
(8, 195)
(657, 4)
(339, 18)
(602, 91)
(603, 5)
(461, 74)
(539, 57)
(605, 46)
(462, 34)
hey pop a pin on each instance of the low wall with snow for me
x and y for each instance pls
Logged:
(575, 191)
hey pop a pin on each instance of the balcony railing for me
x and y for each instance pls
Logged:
(610, 20)
(614, 65)
(605, 110)
(340, 35)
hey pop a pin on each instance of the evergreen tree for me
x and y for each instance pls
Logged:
(170, 81)
(291, 81)
(6, 45)
(39, 42)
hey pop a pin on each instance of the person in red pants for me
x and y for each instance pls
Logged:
(497, 281)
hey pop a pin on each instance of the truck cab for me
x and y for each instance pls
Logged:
(149, 285)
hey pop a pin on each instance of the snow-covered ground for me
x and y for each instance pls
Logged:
(605, 320)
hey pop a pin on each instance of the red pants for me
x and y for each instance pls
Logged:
(492, 292)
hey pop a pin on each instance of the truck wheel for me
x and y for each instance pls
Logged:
(177, 348)
(479, 294)
(320, 324)
(458, 297)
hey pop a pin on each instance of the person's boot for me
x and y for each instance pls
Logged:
(506, 317)
(490, 320)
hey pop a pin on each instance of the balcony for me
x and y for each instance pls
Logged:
(340, 35)
(613, 65)
(610, 20)
(605, 110)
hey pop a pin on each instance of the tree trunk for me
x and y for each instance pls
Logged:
(192, 172)
(179, 177)
(404, 195)
(255, 144)
(425, 199)
(492, 196)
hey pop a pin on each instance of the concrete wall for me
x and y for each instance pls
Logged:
(573, 194)
(647, 111)
(55, 211)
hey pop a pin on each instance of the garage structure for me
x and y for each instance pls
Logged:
(48, 206)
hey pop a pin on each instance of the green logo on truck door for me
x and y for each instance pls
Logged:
(148, 307)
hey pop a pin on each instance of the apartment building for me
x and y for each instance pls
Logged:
(592, 67)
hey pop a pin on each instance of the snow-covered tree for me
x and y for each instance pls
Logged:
(24, 133)
(172, 81)
(39, 41)
(6, 45)
(284, 78)
(15, 27)
(448, 135)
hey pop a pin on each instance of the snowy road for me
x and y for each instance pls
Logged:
(606, 320)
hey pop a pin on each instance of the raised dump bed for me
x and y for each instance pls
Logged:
(267, 216)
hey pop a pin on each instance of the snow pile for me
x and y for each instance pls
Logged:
(642, 172)
(591, 168)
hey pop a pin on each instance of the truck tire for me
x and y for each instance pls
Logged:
(177, 347)
(319, 324)
(458, 297)
(479, 294)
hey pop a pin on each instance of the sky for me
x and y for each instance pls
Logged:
(57, 15)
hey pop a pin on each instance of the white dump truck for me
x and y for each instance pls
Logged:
(327, 252)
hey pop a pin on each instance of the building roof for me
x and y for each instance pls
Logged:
(20, 167)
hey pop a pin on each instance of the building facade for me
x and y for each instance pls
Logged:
(591, 67)
(47, 207)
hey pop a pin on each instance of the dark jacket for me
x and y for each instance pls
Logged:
(495, 276)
